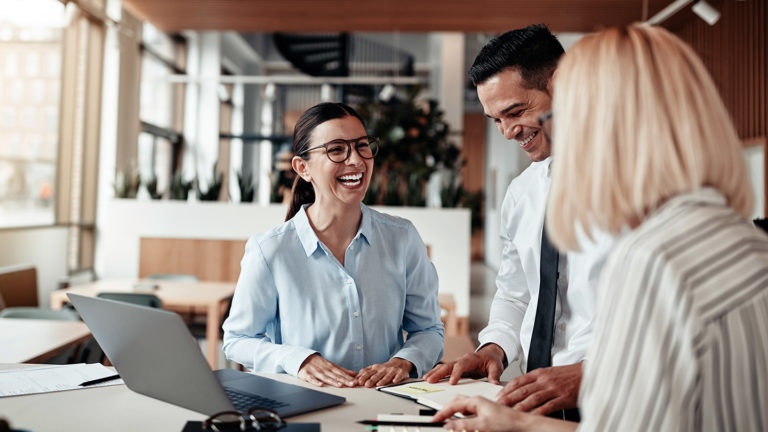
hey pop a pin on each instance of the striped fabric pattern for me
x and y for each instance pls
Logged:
(681, 335)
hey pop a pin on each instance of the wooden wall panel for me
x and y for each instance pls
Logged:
(734, 51)
(209, 260)
(473, 173)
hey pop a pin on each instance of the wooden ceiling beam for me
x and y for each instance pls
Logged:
(388, 15)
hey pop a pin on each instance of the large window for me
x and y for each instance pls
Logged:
(30, 84)
(161, 108)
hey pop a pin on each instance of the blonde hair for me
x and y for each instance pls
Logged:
(637, 120)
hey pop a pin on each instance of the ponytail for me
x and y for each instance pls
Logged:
(302, 193)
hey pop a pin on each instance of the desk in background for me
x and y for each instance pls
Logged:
(116, 408)
(175, 295)
(34, 341)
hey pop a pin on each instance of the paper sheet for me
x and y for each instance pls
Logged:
(439, 394)
(53, 378)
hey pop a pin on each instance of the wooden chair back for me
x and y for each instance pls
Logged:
(18, 286)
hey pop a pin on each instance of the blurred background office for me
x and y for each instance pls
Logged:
(145, 137)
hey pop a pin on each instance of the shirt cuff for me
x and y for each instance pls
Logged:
(413, 357)
(294, 357)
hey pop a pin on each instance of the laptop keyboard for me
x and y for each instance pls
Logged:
(244, 402)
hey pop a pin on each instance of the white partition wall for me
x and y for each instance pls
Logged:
(43, 247)
(124, 222)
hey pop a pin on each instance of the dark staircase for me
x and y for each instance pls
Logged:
(331, 55)
(316, 55)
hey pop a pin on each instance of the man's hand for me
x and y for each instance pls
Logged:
(544, 390)
(319, 371)
(391, 372)
(487, 361)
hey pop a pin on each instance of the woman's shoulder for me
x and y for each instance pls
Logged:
(388, 220)
(276, 235)
(678, 238)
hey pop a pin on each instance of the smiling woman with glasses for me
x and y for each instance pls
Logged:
(328, 294)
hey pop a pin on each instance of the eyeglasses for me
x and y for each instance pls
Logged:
(545, 122)
(255, 419)
(339, 150)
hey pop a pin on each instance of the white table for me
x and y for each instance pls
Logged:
(34, 341)
(175, 295)
(116, 408)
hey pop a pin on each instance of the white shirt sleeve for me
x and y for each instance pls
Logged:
(512, 296)
(585, 270)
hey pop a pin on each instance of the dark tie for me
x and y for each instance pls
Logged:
(540, 352)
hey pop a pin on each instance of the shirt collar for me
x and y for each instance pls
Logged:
(365, 230)
(701, 195)
(548, 163)
(308, 238)
(544, 166)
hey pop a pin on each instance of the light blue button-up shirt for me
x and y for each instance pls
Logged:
(294, 299)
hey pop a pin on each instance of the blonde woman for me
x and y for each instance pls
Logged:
(644, 144)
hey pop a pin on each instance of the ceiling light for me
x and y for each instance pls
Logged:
(706, 12)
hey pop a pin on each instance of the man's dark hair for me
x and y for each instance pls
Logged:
(533, 49)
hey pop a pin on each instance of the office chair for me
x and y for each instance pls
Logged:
(188, 316)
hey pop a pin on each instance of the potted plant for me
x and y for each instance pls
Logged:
(179, 189)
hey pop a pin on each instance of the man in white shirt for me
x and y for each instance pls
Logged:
(513, 74)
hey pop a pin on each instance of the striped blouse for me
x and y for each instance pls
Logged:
(681, 333)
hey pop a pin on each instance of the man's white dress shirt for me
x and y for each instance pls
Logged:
(513, 309)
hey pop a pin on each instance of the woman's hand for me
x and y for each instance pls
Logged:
(319, 371)
(495, 417)
(391, 372)
(488, 416)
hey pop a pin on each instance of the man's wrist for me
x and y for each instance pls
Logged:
(493, 350)
(402, 363)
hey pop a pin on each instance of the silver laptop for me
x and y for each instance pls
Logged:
(156, 356)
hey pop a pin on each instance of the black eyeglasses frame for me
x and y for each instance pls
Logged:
(373, 142)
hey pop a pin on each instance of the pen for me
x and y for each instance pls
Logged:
(399, 423)
(100, 380)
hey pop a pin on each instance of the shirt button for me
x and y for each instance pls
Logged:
(358, 347)
(561, 326)
(357, 314)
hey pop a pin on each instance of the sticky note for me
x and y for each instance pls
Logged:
(419, 388)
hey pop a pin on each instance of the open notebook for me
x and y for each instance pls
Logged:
(439, 394)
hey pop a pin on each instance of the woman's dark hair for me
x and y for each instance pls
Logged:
(302, 191)
(533, 49)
